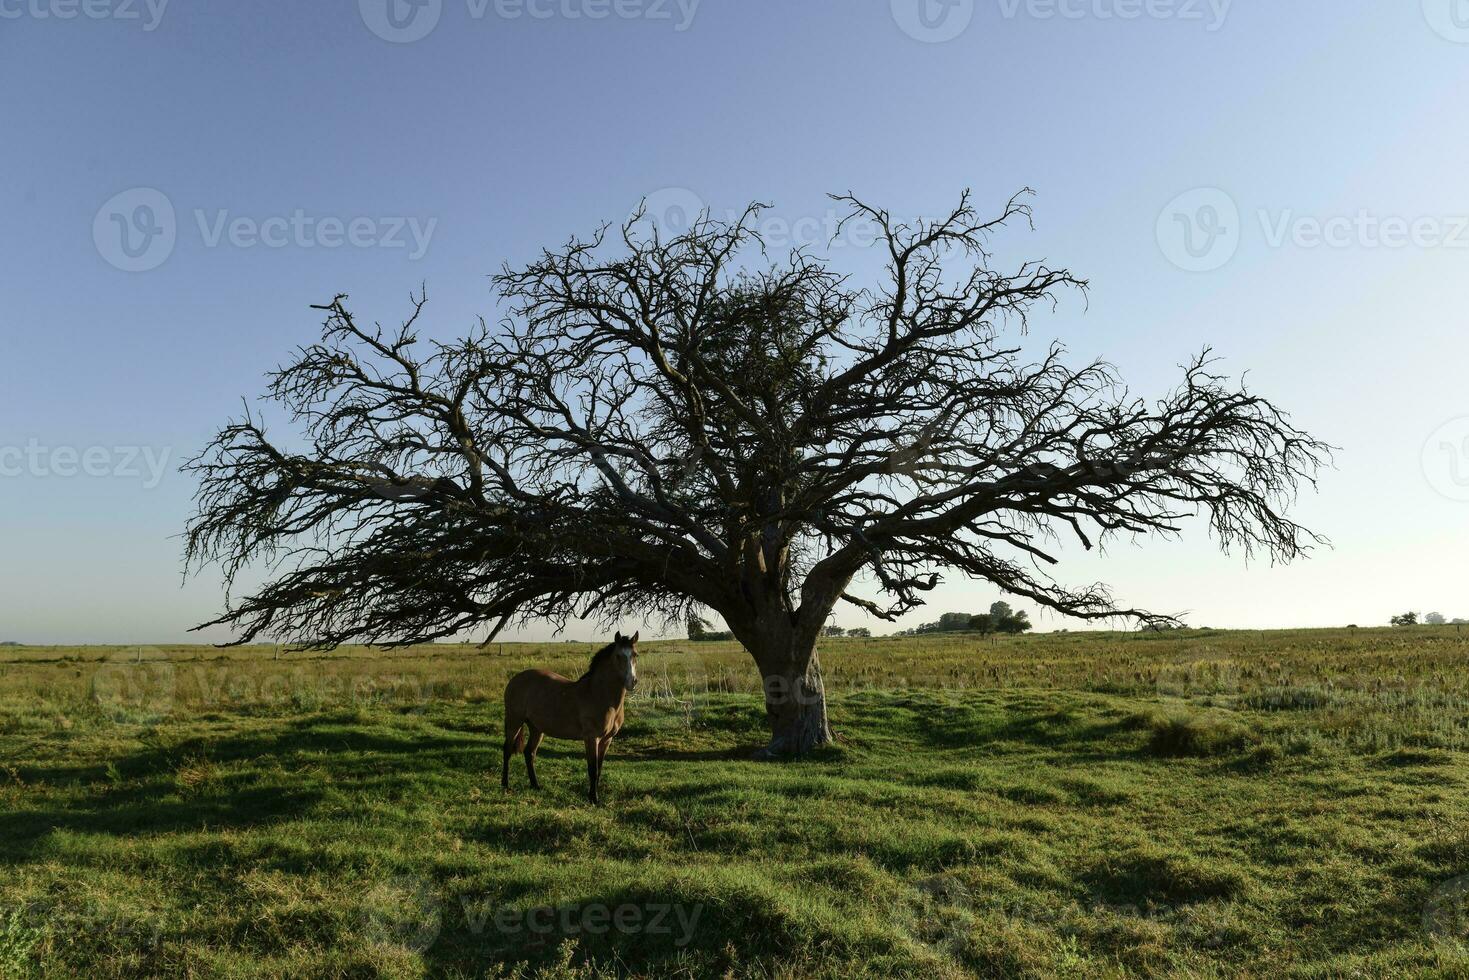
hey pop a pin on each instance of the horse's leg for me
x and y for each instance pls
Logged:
(592, 772)
(602, 754)
(531, 745)
(512, 745)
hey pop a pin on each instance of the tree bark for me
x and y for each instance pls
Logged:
(795, 703)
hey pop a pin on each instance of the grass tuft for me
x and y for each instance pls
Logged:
(1178, 735)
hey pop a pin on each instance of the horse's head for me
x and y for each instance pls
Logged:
(625, 657)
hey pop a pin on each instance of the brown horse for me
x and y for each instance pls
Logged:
(589, 709)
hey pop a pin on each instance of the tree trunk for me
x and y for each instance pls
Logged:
(795, 704)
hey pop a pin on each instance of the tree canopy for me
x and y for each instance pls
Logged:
(659, 426)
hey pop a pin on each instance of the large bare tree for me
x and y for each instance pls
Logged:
(663, 425)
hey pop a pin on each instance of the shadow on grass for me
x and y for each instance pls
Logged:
(197, 783)
(656, 928)
(274, 772)
(144, 811)
(981, 723)
(736, 753)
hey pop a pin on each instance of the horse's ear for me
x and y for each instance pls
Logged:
(634, 637)
(618, 637)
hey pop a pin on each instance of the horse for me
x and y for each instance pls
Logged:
(588, 709)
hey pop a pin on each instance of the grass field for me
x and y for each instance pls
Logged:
(1201, 804)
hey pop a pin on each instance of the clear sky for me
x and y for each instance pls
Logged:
(1285, 181)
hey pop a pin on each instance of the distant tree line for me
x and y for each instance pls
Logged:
(1000, 619)
(1429, 619)
(699, 630)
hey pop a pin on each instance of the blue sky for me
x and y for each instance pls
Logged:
(1283, 181)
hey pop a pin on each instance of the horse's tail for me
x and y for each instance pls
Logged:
(514, 738)
(514, 720)
(514, 735)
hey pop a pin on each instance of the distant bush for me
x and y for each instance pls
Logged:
(1161, 626)
(1405, 619)
(1000, 619)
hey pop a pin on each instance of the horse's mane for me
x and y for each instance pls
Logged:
(597, 659)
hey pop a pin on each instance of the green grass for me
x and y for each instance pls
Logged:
(1205, 804)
